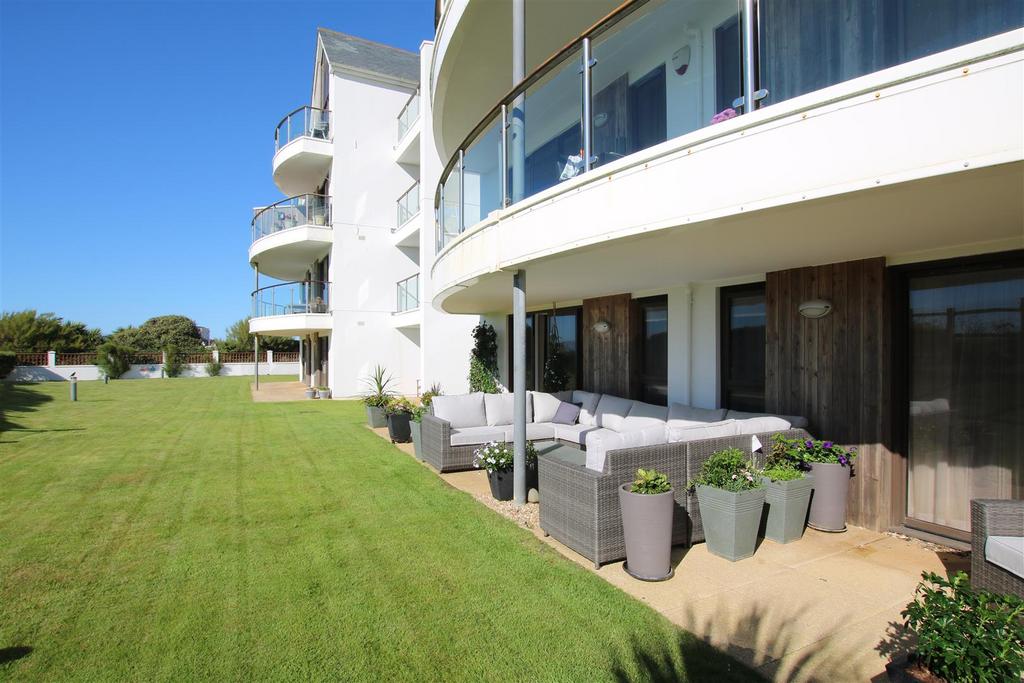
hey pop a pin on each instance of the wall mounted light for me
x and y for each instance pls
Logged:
(601, 326)
(815, 308)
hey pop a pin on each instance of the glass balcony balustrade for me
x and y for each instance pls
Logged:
(291, 298)
(305, 121)
(658, 69)
(302, 210)
(408, 291)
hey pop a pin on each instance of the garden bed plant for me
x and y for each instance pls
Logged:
(731, 494)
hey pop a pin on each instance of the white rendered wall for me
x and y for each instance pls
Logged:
(445, 341)
(59, 373)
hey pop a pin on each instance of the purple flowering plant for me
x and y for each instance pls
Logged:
(803, 452)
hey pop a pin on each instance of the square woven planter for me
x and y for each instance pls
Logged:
(731, 520)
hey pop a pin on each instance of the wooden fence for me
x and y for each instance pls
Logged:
(32, 358)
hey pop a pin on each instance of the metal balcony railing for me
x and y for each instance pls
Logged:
(408, 205)
(410, 112)
(408, 291)
(290, 298)
(300, 210)
(306, 121)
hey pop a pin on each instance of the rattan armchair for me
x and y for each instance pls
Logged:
(994, 518)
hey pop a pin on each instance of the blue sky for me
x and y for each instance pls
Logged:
(136, 136)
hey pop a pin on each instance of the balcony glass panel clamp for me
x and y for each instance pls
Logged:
(758, 96)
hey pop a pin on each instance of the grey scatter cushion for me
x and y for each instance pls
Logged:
(567, 413)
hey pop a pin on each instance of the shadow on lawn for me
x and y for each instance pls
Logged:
(13, 654)
(18, 398)
(752, 636)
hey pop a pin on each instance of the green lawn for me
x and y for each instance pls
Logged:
(175, 530)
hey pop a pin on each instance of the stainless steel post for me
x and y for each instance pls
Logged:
(519, 386)
(749, 64)
(256, 358)
(518, 123)
(586, 122)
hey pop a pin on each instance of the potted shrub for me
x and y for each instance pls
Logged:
(787, 493)
(496, 458)
(730, 492)
(415, 422)
(532, 474)
(399, 414)
(323, 392)
(377, 396)
(961, 634)
(648, 504)
(832, 466)
(310, 392)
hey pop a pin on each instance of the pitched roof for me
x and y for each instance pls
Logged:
(361, 57)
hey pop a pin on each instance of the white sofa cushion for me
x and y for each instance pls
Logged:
(680, 415)
(471, 436)
(500, 408)
(603, 441)
(764, 423)
(534, 431)
(644, 415)
(576, 433)
(612, 411)
(1006, 552)
(544, 406)
(795, 421)
(588, 406)
(711, 430)
(462, 410)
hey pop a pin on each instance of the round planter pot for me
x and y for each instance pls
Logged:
(532, 476)
(310, 393)
(323, 393)
(786, 508)
(399, 427)
(502, 483)
(647, 526)
(828, 503)
(375, 417)
(414, 431)
(731, 520)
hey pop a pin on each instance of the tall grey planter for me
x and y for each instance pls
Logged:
(414, 429)
(786, 508)
(376, 417)
(731, 520)
(647, 526)
(828, 504)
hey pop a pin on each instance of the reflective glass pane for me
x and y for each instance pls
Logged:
(561, 352)
(482, 176)
(669, 68)
(450, 207)
(545, 142)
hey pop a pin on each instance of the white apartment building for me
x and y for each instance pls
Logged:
(338, 261)
(804, 208)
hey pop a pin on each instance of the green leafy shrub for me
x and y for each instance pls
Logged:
(650, 482)
(782, 472)
(805, 451)
(729, 470)
(8, 360)
(114, 359)
(966, 635)
(483, 361)
(214, 367)
(378, 388)
(399, 406)
(173, 363)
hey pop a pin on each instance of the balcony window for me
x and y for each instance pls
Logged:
(408, 291)
(482, 175)
(408, 205)
(805, 46)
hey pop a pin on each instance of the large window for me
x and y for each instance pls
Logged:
(743, 347)
(964, 358)
(653, 365)
(553, 356)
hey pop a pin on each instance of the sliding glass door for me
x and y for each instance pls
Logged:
(965, 365)
(553, 353)
(743, 347)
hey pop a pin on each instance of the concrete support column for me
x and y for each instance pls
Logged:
(314, 360)
(519, 385)
(256, 359)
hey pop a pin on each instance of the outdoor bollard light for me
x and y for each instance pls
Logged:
(106, 379)
(74, 387)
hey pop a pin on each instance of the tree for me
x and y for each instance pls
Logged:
(28, 331)
(239, 339)
(483, 362)
(157, 333)
(113, 359)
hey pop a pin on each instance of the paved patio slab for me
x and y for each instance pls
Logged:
(811, 610)
(278, 392)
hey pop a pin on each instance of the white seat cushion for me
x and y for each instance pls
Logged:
(500, 408)
(576, 433)
(1006, 552)
(645, 415)
(680, 415)
(544, 406)
(612, 411)
(764, 423)
(712, 430)
(795, 421)
(588, 406)
(603, 441)
(471, 436)
(463, 410)
(534, 431)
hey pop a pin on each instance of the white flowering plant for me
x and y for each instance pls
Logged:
(730, 470)
(498, 457)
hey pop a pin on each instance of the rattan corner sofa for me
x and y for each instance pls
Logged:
(997, 546)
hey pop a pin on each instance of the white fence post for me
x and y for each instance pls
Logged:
(216, 355)
(51, 359)
(270, 358)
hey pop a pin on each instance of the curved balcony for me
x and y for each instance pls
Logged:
(291, 309)
(290, 234)
(644, 168)
(302, 150)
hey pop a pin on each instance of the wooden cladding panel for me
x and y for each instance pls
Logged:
(835, 371)
(607, 356)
